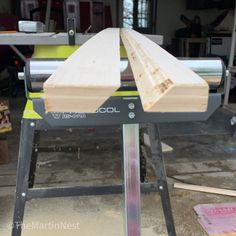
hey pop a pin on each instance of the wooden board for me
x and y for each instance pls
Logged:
(88, 77)
(165, 147)
(164, 83)
(205, 189)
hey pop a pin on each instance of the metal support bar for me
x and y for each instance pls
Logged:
(18, 52)
(23, 169)
(231, 60)
(34, 159)
(54, 38)
(71, 30)
(48, 15)
(84, 191)
(132, 179)
(159, 167)
(59, 149)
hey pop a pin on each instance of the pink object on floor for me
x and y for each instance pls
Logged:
(217, 219)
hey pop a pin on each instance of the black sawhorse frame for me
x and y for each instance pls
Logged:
(27, 165)
(126, 111)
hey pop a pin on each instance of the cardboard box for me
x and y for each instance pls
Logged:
(5, 122)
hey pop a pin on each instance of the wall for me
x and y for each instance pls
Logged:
(112, 4)
(5, 6)
(168, 13)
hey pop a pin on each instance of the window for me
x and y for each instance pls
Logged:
(128, 11)
(144, 13)
(138, 14)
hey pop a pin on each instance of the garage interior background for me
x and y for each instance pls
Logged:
(202, 152)
(168, 11)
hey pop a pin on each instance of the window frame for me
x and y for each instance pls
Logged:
(151, 29)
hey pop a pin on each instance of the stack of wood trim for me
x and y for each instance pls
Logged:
(88, 77)
(164, 83)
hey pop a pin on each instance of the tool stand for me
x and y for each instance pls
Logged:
(27, 166)
(123, 109)
(25, 190)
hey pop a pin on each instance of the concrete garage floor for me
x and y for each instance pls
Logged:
(204, 153)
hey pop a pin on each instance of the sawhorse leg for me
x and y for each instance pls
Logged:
(157, 159)
(23, 170)
(132, 179)
(34, 158)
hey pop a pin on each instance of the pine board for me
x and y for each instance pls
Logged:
(88, 77)
(164, 83)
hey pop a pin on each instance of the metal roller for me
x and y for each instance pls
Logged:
(210, 69)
